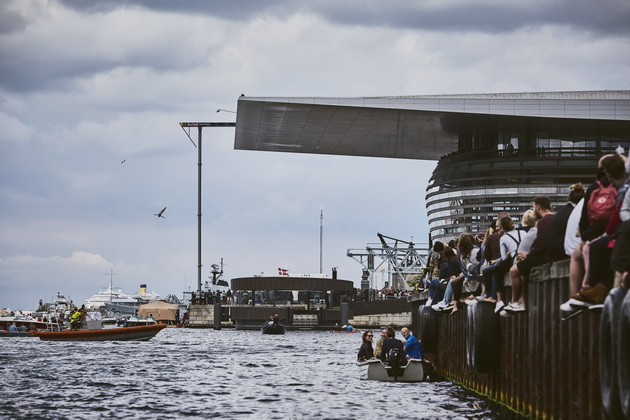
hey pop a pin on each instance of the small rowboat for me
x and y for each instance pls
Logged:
(415, 370)
(141, 333)
(270, 327)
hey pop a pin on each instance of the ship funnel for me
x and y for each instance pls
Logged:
(143, 289)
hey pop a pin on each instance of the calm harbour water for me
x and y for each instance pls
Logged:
(202, 373)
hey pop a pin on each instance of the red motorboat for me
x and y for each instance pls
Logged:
(140, 333)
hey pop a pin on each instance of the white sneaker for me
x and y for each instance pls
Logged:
(470, 302)
(515, 307)
(498, 306)
(439, 306)
(570, 305)
(429, 302)
(505, 313)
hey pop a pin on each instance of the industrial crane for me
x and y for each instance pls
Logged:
(403, 260)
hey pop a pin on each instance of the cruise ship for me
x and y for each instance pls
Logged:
(114, 300)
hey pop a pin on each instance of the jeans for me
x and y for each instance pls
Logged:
(488, 277)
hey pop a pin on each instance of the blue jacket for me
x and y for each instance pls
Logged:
(413, 348)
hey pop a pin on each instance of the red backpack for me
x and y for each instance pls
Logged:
(601, 205)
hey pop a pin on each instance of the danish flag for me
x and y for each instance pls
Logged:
(283, 271)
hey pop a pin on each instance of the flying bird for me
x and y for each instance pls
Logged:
(124, 160)
(160, 213)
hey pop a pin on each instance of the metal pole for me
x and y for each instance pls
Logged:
(321, 240)
(200, 126)
(199, 215)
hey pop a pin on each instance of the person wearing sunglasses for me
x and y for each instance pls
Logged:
(366, 351)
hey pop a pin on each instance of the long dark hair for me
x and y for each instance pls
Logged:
(465, 245)
(365, 333)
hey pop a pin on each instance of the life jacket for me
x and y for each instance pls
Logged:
(601, 204)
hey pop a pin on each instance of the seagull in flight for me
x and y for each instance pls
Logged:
(160, 213)
(123, 161)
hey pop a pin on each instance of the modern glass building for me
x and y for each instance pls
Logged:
(495, 152)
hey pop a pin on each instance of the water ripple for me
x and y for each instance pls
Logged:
(195, 373)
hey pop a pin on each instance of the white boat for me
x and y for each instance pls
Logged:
(115, 301)
(108, 294)
(415, 370)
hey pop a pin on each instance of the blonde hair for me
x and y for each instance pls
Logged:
(529, 218)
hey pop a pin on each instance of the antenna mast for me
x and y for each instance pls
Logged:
(111, 275)
(321, 237)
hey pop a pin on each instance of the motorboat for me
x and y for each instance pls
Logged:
(27, 321)
(271, 327)
(17, 334)
(134, 321)
(140, 333)
(415, 370)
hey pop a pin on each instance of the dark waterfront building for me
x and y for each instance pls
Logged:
(495, 152)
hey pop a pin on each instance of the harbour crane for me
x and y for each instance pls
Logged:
(403, 259)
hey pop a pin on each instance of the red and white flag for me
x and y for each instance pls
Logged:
(283, 271)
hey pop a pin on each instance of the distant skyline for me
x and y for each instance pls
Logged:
(92, 93)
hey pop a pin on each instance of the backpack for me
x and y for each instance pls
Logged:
(601, 205)
(505, 265)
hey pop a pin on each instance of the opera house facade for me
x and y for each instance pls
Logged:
(495, 152)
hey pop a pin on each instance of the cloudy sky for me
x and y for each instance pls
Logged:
(86, 85)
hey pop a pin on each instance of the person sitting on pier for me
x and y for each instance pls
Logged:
(600, 273)
(466, 280)
(588, 230)
(493, 274)
(536, 256)
(433, 267)
(366, 352)
(449, 269)
(390, 343)
(558, 228)
(412, 347)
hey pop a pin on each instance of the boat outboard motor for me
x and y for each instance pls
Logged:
(396, 358)
(397, 361)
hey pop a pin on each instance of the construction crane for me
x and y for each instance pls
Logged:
(403, 260)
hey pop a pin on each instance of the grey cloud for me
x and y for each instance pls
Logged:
(10, 20)
(606, 17)
(232, 10)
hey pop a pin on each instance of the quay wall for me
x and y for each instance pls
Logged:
(534, 363)
(376, 314)
(202, 316)
(378, 321)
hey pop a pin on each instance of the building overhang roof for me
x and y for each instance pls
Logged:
(409, 127)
